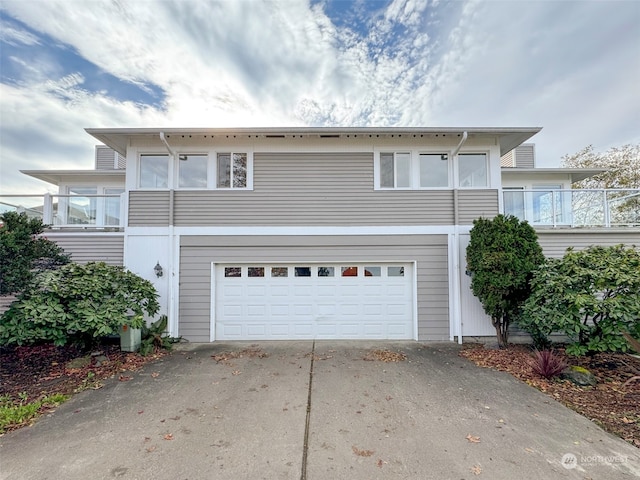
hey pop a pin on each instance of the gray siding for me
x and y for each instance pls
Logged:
(473, 204)
(525, 156)
(506, 160)
(148, 208)
(106, 159)
(310, 189)
(430, 252)
(555, 243)
(90, 247)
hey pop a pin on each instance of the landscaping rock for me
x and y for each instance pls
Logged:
(580, 376)
(79, 362)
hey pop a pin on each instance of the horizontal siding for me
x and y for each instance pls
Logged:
(6, 301)
(148, 208)
(298, 189)
(525, 156)
(90, 247)
(555, 243)
(473, 204)
(430, 252)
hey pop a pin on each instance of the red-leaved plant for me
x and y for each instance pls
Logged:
(547, 364)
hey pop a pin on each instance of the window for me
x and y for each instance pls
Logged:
(254, 272)
(395, 271)
(326, 271)
(232, 170)
(112, 206)
(434, 170)
(279, 271)
(302, 271)
(349, 271)
(154, 171)
(395, 170)
(514, 201)
(80, 208)
(192, 171)
(472, 168)
(372, 271)
(232, 272)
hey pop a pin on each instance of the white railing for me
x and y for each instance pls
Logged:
(70, 211)
(575, 208)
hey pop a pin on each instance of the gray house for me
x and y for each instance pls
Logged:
(314, 233)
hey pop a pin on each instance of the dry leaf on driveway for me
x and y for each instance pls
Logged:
(168, 436)
(362, 453)
(473, 439)
(476, 469)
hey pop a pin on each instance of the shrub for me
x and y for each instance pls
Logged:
(501, 257)
(591, 296)
(23, 252)
(547, 364)
(78, 303)
(155, 338)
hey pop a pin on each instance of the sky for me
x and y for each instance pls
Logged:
(570, 67)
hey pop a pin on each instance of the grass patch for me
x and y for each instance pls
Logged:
(20, 412)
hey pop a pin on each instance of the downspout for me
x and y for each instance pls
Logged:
(173, 331)
(457, 310)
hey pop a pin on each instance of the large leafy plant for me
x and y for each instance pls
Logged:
(501, 257)
(23, 252)
(592, 296)
(78, 303)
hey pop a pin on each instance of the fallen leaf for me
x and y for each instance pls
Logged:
(124, 378)
(473, 439)
(140, 412)
(476, 469)
(362, 453)
(236, 372)
(151, 448)
(155, 374)
(380, 463)
(168, 436)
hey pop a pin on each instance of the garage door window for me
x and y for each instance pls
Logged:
(326, 271)
(232, 272)
(255, 271)
(372, 271)
(395, 271)
(302, 271)
(280, 272)
(349, 271)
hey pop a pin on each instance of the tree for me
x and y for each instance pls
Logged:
(23, 252)
(622, 166)
(78, 303)
(592, 296)
(501, 256)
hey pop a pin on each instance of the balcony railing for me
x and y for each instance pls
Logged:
(70, 211)
(575, 208)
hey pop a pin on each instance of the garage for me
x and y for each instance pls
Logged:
(306, 300)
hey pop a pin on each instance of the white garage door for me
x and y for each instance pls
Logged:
(305, 301)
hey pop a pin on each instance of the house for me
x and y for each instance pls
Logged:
(304, 233)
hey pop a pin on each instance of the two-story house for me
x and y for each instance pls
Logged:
(312, 233)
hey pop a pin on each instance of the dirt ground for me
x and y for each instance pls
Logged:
(611, 404)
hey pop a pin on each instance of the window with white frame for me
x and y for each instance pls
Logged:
(232, 170)
(154, 171)
(472, 170)
(395, 170)
(192, 170)
(434, 170)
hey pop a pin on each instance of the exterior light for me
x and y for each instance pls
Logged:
(158, 269)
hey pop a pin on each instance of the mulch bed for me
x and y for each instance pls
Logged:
(29, 373)
(611, 404)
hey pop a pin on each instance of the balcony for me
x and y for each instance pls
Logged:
(575, 208)
(95, 212)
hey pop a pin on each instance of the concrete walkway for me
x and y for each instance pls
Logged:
(432, 416)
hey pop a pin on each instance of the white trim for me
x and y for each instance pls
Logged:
(415, 300)
(299, 231)
(212, 312)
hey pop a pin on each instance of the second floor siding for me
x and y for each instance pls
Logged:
(315, 189)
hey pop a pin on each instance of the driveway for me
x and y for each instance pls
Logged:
(432, 416)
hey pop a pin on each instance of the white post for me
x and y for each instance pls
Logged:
(47, 210)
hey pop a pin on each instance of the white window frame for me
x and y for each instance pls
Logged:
(177, 170)
(214, 168)
(487, 163)
(414, 155)
(170, 169)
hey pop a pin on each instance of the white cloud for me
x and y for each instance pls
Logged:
(572, 68)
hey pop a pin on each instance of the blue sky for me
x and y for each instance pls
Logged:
(570, 67)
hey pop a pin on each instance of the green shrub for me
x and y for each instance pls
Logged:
(591, 296)
(78, 303)
(23, 252)
(501, 257)
(155, 338)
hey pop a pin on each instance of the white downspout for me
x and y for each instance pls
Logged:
(171, 301)
(455, 281)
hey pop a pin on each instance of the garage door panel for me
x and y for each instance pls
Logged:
(319, 301)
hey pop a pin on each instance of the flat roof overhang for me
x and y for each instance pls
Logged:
(56, 177)
(119, 138)
(576, 174)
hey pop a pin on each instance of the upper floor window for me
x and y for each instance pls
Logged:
(232, 170)
(434, 170)
(154, 171)
(192, 171)
(395, 170)
(472, 168)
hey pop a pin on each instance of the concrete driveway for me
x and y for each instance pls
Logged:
(279, 412)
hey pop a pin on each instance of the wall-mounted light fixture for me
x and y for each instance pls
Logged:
(158, 269)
